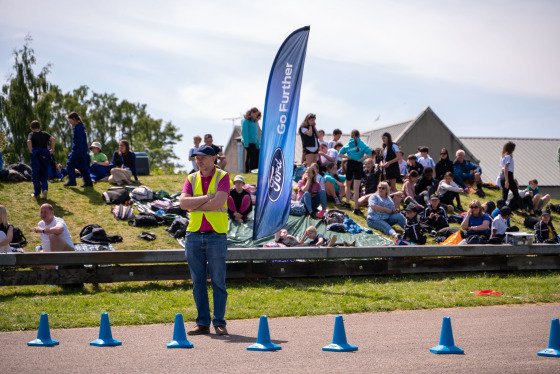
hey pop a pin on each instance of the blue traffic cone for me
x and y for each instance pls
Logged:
(553, 349)
(179, 335)
(263, 338)
(44, 334)
(105, 337)
(339, 343)
(446, 343)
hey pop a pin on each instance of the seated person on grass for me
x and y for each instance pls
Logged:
(539, 201)
(449, 191)
(412, 164)
(382, 213)
(239, 201)
(425, 186)
(327, 155)
(403, 168)
(435, 214)
(465, 171)
(476, 222)
(334, 184)
(412, 229)
(372, 173)
(6, 231)
(54, 232)
(500, 226)
(544, 230)
(408, 188)
(99, 167)
(425, 160)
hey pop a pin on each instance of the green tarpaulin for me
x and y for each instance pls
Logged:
(240, 234)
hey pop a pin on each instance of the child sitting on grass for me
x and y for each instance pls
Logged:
(539, 201)
(412, 228)
(544, 229)
(500, 226)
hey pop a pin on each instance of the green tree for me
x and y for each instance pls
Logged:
(24, 98)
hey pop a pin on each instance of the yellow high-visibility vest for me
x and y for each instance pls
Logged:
(217, 218)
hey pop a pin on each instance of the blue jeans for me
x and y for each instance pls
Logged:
(40, 160)
(203, 248)
(312, 203)
(387, 225)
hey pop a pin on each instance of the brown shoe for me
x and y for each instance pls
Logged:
(199, 330)
(221, 330)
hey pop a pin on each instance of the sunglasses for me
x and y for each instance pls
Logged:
(381, 188)
(474, 207)
(443, 153)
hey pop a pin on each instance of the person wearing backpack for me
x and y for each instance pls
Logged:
(38, 145)
(205, 195)
(6, 231)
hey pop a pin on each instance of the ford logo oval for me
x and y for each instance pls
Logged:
(276, 176)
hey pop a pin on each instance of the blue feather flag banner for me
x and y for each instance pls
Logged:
(278, 140)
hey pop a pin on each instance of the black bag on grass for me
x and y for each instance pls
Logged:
(116, 195)
(18, 239)
(530, 222)
(144, 219)
(95, 234)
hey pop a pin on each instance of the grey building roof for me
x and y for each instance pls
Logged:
(533, 158)
(397, 131)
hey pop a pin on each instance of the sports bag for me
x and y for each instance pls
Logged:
(123, 212)
(334, 220)
(144, 219)
(142, 193)
(116, 195)
(297, 208)
(530, 222)
(17, 237)
(160, 205)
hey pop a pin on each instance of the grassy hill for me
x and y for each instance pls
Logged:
(83, 206)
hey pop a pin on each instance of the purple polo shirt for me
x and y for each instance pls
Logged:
(224, 185)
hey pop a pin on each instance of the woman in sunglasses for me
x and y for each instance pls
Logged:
(476, 222)
(444, 164)
(382, 213)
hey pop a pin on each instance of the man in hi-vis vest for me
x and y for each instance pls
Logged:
(205, 195)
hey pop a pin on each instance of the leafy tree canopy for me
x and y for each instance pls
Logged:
(26, 96)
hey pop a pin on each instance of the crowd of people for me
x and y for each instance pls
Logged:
(353, 176)
(334, 171)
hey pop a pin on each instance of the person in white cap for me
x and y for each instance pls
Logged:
(239, 201)
(99, 168)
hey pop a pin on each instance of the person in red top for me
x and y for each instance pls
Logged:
(205, 194)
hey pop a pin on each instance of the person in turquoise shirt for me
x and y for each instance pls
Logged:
(334, 184)
(356, 151)
(250, 138)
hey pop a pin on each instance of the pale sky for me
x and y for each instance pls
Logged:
(487, 68)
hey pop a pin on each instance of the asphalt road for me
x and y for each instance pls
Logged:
(501, 339)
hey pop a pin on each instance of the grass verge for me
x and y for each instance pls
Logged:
(157, 302)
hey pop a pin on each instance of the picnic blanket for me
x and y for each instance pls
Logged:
(240, 234)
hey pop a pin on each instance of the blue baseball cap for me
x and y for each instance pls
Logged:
(205, 150)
